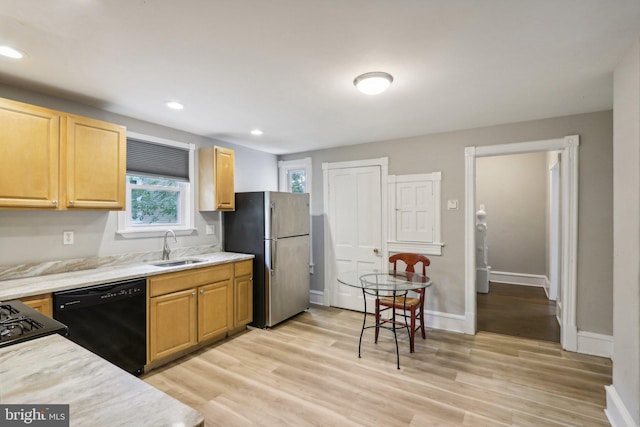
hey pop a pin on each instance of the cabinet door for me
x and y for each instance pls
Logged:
(29, 151)
(172, 323)
(243, 297)
(215, 309)
(42, 303)
(225, 193)
(95, 167)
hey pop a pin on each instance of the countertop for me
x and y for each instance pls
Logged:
(20, 288)
(54, 370)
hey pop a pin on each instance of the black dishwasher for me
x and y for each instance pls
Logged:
(109, 320)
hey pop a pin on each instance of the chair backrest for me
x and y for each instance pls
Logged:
(410, 260)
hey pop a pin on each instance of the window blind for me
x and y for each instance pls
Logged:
(160, 160)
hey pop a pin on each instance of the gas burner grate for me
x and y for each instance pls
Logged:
(6, 311)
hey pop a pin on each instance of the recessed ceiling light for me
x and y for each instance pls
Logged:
(373, 83)
(174, 105)
(10, 52)
(256, 132)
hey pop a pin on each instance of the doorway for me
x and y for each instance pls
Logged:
(568, 146)
(514, 192)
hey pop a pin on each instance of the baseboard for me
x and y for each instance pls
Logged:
(316, 297)
(518, 278)
(445, 321)
(595, 344)
(616, 411)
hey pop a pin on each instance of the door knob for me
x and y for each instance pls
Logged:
(376, 251)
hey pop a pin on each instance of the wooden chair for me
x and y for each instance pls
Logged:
(404, 305)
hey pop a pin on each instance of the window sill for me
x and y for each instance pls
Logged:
(139, 234)
(415, 247)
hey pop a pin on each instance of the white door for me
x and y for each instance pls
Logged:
(355, 229)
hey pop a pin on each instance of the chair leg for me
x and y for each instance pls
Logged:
(424, 335)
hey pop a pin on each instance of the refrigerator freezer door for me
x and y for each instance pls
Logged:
(288, 278)
(287, 213)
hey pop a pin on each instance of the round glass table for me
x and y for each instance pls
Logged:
(380, 284)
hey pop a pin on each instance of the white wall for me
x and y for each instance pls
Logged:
(36, 236)
(623, 399)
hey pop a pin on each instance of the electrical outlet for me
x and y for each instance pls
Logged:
(210, 229)
(67, 237)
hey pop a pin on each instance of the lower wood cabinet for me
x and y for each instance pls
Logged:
(197, 305)
(42, 303)
(215, 310)
(172, 323)
(243, 293)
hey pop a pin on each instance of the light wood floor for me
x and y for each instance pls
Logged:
(306, 372)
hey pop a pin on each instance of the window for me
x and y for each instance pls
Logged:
(159, 193)
(414, 202)
(295, 175)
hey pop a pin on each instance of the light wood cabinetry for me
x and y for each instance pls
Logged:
(197, 305)
(215, 310)
(172, 323)
(243, 293)
(42, 303)
(96, 156)
(53, 160)
(216, 179)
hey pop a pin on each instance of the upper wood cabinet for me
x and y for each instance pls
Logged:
(54, 160)
(216, 179)
(95, 169)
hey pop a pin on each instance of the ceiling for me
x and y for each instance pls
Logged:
(287, 66)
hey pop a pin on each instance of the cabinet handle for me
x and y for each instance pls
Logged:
(54, 202)
(219, 205)
(71, 202)
(202, 291)
(193, 294)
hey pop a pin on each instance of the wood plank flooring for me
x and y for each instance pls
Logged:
(523, 311)
(306, 372)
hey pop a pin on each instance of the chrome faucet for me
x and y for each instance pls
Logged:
(166, 251)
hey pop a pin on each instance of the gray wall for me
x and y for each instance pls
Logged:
(626, 236)
(36, 236)
(445, 152)
(514, 192)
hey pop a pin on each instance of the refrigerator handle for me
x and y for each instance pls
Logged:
(274, 232)
(274, 250)
(274, 238)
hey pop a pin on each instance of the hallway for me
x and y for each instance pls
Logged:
(517, 310)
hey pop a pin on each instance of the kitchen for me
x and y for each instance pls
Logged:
(35, 237)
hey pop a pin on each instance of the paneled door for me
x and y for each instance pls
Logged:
(355, 230)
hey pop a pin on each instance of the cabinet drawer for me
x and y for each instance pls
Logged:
(173, 282)
(243, 268)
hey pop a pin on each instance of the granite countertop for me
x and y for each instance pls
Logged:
(24, 287)
(54, 370)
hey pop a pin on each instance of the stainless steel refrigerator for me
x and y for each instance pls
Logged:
(275, 228)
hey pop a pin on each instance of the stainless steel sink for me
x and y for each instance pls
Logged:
(177, 262)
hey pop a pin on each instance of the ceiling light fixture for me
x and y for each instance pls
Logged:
(174, 105)
(373, 83)
(256, 132)
(10, 52)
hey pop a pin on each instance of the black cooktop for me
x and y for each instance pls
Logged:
(19, 322)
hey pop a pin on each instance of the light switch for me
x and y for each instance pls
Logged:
(210, 229)
(452, 205)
